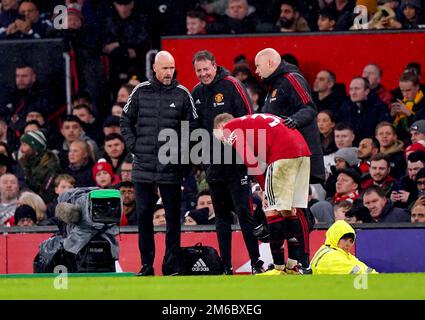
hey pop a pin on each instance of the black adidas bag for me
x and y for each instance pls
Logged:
(195, 260)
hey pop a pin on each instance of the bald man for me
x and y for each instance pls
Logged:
(289, 97)
(154, 105)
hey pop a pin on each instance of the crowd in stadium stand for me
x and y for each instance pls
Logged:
(373, 140)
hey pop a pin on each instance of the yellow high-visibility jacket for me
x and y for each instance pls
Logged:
(330, 259)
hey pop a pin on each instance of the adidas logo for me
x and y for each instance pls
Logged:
(197, 101)
(200, 266)
(172, 105)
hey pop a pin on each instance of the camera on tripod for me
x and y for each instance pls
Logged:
(88, 222)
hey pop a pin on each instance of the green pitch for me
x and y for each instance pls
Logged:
(127, 286)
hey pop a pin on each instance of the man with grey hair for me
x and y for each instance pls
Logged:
(326, 95)
(154, 105)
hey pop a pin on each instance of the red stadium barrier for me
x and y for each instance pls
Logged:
(344, 53)
(17, 251)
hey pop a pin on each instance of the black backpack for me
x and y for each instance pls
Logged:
(195, 260)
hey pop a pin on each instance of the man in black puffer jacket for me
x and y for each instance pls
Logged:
(217, 93)
(155, 105)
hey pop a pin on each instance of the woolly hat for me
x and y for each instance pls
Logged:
(354, 173)
(350, 155)
(418, 126)
(25, 211)
(417, 146)
(36, 140)
(102, 165)
(75, 9)
(199, 215)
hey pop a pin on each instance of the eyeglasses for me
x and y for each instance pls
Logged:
(420, 182)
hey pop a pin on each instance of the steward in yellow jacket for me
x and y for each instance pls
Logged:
(334, 256)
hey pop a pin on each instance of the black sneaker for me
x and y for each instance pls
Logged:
(146, 270)
(257, 267)
(228, 270)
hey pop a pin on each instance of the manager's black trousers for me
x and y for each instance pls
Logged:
(145, 203)
(228, 196)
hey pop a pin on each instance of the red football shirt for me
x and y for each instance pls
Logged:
(261, 139)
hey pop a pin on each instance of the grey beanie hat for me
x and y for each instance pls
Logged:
(350, 155)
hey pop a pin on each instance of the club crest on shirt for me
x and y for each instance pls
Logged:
(232, 138)
(219, 97)
(274, 94)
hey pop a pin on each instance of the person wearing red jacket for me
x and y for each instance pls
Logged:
(279, 158)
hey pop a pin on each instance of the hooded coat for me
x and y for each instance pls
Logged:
(330, 259)
(289, 95)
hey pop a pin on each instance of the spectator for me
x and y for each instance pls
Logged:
(379, 171)
(28, 95)
(126, 168)
(326, 125)
(72, 129)
(12, 165)
(290, 20)
(63, 182)
(363, 110)
(418, 214)
(88, 121)
(373, 73)
(39, 164)
(196, 217)
(103, 175)
(417, 131)
(148, 171)
(327, 19)
(115, 151)
(358, 213)
(344, 137)
(6, 135)
(129, 216)
(368, 147)
(81, 161)
(240, 18)
(386, 17)
(326, 95)
(36, 202)
(9, 13)
(204, 200)
(126, 41)
(344, 158)
(340, 210)
(25, 216)
(228, 183)
(412, 107)
(111, 125)
(345, 15)
(347, 185)
(405, 190)
(289, 96)
(29, 24)
(117, 109)
(32, 125)
(196, 22)
(159, 217)
(9, 192)
(253, 90)
(124, 92)
(391, 146)
(382, 209)
(413, 14)
(334, 256)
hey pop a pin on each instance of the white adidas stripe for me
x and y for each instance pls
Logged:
(194, 113)
(146, 83)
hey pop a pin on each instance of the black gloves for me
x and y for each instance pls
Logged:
(289, 122)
